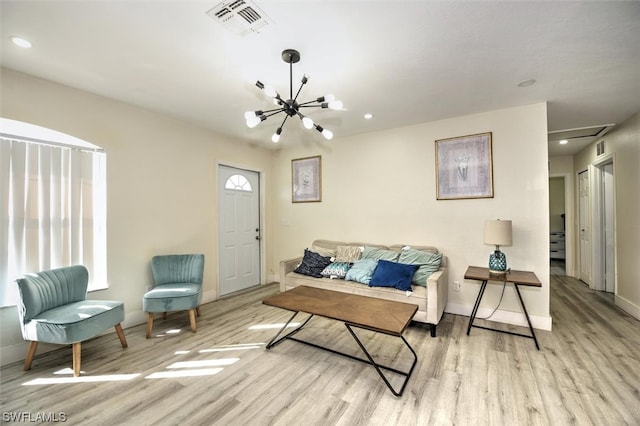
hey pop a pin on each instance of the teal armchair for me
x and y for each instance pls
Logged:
(178, 287)
(54, 309)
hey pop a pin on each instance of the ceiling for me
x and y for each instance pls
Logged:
(405, 62)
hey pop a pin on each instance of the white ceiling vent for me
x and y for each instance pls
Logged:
(241, 17)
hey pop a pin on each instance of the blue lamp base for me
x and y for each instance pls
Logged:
(498, 263)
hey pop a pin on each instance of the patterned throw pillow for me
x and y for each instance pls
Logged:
(336, 270)
(348, 253)
(312, 264)
(429, 263)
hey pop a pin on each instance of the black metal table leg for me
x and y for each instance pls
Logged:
(474, 312)
(378, 367)
(526, 314)
(274, 342)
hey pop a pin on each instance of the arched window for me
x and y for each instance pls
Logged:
(53, 196)
(238, 183)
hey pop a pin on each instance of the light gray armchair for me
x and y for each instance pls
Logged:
(178, 287)
(54, 309)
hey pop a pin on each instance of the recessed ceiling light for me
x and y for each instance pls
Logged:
(368, 116)
(21, 42)
(564, 142)
(526, 83)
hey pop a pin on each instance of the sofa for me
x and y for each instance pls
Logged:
(429, 292)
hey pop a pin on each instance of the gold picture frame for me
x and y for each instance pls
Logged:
(306, 179)
(464, 167)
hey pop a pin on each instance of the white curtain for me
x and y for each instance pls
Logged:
(53, 212)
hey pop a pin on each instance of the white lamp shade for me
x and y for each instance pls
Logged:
(497, 232)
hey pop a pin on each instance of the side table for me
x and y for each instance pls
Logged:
(517, 278)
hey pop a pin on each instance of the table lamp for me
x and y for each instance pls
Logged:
(498, 233)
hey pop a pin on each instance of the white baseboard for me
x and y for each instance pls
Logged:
(628, 306)
(17, 352)
(507, 317)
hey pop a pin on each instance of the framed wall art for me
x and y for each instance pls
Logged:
(464, 167)
(306, 180)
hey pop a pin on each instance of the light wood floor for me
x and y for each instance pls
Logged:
(587, 372)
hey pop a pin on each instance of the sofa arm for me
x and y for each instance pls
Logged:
(437, 295)
(287, 266)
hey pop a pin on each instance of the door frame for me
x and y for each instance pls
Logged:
(261, 219)
(589, 213)
(597, 223)
(569, 229)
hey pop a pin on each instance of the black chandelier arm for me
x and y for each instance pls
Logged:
(304, 81)
(284, 121)
(310, 105)
(266, 112)
(278, 111)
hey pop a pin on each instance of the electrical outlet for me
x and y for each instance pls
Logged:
(456, 286)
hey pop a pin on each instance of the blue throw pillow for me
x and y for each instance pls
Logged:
(361, 271)
(393, 274)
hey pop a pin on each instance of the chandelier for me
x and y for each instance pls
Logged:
(291, 107)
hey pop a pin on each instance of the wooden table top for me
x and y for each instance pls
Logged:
(386, 316)
(519, 277)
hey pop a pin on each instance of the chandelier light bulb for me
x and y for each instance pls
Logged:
(329, 98)
(328, 134)
(307, 123)
(275, 138)
(249, 115)
(253, 121)
(335, 105)
(270, 91)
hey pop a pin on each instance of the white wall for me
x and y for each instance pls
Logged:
(380, 188)
(161, 184)
(623, 144)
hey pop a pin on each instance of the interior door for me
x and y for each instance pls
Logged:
(585, 231)
(238, 229)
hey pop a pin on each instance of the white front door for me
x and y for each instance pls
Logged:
(585, 231)
(238, 229)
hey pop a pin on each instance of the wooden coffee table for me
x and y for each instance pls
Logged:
(355, 311)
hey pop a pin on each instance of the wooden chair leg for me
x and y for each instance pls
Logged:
(123, 340)
(77, 351)
(198, 310)
(31, 351)
(192, 319)
(149, 324)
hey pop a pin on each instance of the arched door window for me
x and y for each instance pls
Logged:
(238, 183)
